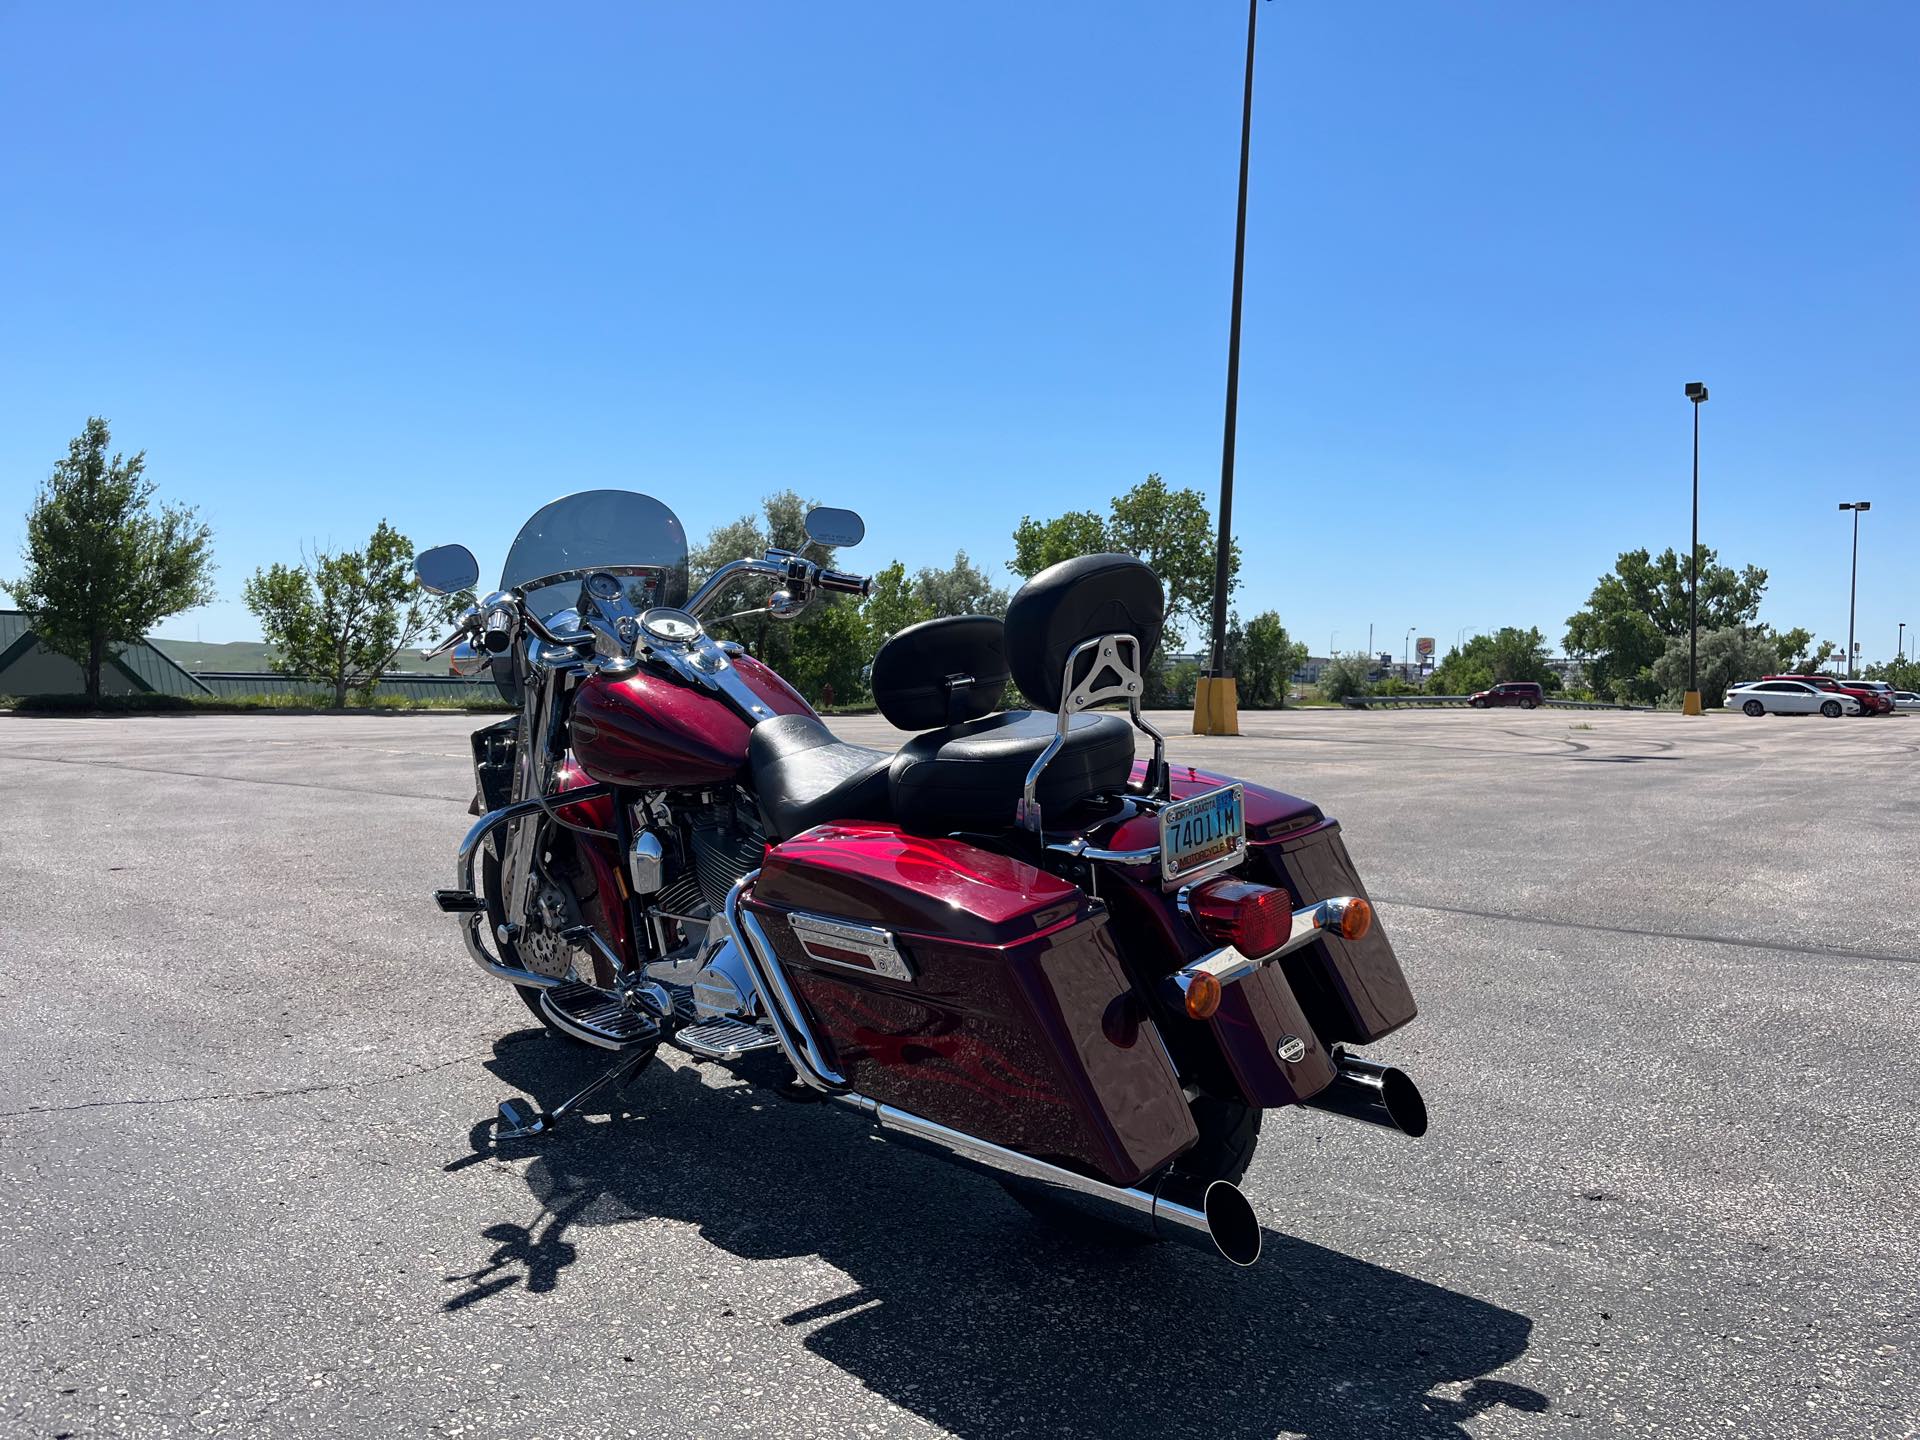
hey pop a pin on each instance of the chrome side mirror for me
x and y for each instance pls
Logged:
(446, 569)
(826, 525)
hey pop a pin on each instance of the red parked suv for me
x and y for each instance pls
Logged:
(1524, 693)
(1872, 702)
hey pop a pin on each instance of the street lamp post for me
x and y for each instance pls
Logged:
(1697, 393)
(1406, 651)
(1900, 651)
(1853, 583)
(1216, 706)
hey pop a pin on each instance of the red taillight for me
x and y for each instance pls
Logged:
(1255, 919)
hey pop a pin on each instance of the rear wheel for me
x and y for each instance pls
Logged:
(1754, 708)
(1229, 1131)
(1831, 709)
(1528, 704)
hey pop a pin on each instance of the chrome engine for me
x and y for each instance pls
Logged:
(721, 842)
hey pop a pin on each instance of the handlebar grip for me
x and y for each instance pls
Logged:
(840, 580)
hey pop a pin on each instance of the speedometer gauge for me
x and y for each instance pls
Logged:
(666, 626)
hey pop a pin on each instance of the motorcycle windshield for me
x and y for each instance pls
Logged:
(619, 531)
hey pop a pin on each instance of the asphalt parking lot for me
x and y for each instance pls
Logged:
(1668, 969)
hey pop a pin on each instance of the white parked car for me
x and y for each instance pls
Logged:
(1906, 700)
(1789, 697)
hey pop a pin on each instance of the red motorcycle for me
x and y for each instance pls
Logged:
(1013, 943)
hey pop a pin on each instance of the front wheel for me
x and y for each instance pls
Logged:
(496, 916)
(1229, 1131)
(1831, 709)
(1754, 708)
(1478, 704)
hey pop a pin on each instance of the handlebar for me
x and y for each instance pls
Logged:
(845, 583)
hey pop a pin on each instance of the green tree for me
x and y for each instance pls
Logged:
(830, 642)
(892, 607)
(1267, 658)
(1634, 610)
(103, 566)
(1171, 530)
(829, 651)
(1040, 543)
(1902, 674)
(899, 600)
(1344, 676)
(1727, 656)
(961, 588)
(342, 617)
(1493, 659)
(780, 525)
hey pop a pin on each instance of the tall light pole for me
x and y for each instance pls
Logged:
(1853, 583)
(1900, 653)
(1697, 393)
(1406, 649)
(1219, 713)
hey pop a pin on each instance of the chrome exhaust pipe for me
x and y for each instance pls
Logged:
(1379, 1094)
(1223, 1223)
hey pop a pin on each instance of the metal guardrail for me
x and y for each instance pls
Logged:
(1441, 702)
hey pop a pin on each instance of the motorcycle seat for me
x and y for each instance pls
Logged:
(972, 776)
(803, 775)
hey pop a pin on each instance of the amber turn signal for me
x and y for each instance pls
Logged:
(1356, 919)
(1203, 995)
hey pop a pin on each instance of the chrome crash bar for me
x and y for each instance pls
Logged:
(466, 898)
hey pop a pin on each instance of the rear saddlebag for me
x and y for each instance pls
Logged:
(975, 990)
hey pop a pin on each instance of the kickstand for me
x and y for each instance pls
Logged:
(519, 1120)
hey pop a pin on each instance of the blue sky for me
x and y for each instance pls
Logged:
(953, 264)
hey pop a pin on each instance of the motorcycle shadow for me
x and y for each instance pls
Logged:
(973, 1316)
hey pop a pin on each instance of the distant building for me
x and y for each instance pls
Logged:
(28, 667)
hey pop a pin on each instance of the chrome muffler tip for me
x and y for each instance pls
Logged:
(1231, 1222)
(1378, 1094)
(1224, 1222)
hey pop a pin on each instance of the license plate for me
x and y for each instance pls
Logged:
(1202, 834)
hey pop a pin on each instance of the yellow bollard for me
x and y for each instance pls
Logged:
(1690, 705)
(1216, 706)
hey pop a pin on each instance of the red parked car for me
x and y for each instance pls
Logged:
(1524, 693)
(1872, 702)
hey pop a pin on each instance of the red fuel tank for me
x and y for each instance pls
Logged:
(652, 731)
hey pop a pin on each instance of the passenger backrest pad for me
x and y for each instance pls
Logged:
(942, 672)
(1075, 601)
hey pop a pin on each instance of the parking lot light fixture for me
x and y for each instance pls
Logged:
(1697, 393)
(1853, 581)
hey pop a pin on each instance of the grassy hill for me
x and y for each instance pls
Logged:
(257, 655)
